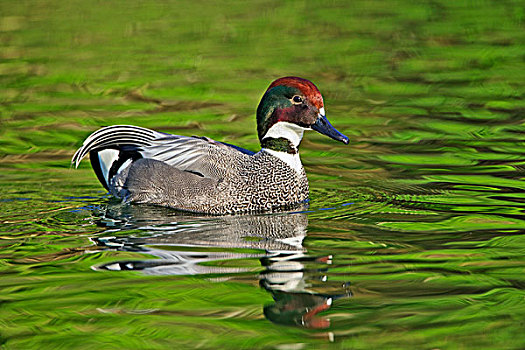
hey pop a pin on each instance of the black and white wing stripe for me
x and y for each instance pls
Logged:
(114, 137)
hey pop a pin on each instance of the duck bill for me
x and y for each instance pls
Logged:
(323, 126)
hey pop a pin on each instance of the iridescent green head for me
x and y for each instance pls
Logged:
(290, 106)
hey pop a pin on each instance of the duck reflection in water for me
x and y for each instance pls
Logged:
(297, 281)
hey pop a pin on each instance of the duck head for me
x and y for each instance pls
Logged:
(290, 106)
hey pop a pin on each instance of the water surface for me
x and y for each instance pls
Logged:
(415, 233)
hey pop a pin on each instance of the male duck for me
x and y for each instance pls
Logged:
(201, 175)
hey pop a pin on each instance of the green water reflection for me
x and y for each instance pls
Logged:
(415, 233)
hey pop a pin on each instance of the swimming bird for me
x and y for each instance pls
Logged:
(200, 175)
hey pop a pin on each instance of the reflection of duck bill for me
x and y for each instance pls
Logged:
(310, 320)
(299, 309)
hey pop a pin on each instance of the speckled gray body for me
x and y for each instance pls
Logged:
(239, 183)
(192, 174)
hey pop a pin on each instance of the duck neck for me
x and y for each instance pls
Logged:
(282, 141)
(283, 137)
(279, 144)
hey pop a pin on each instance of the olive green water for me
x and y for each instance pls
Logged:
(415, 237)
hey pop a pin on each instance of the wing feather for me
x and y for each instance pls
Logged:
(113, 137)
(182, 152)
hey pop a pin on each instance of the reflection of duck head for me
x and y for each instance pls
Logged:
(184, 243)
(300, 289)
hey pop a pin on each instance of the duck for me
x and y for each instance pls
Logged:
(203, 176)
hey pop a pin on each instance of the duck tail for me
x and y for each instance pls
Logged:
(112, 147)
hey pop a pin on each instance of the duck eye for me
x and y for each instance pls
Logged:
(297, 99)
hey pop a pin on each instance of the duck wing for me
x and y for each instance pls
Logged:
(114, 148)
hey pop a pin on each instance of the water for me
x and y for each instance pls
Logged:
(415, 233)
